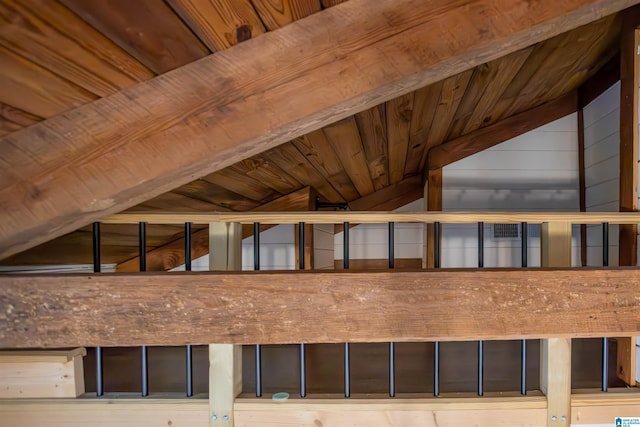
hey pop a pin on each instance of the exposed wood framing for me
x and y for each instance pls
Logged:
(582, 185)
(587, 409)
(555, 353)
(50, 189)
(628, 243)
(250, 308)
(483, 138)
(171, 255)
(433, 201)
(606, 77)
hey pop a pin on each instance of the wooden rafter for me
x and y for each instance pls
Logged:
(483, 138)
(249, 308)
(49, 179)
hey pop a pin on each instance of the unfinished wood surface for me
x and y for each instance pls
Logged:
(225, 382)
(51, 36)
(268, 71)
(375, 217)
(105, 412)
(481, 139)
(372, 125)
(220, 24)
(555, 244)
(250, 308)
(278, 13)
(626, 364)
(433, 202)
(380, 264)
(13, 119)
(606, 77)
(141, 29)
(41, 374)
(398, 112)
(490, 412)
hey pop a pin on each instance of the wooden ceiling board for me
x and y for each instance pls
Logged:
(398, 112)
(216, 195)
(234, 178)
(316, 149)
(278, 13)
(147, 29)
(372, 125)
(270, 174)
(330, 3)
(425, 103)
(48, 34)
(220, 24)
(288, 157)
(344, 138)
(13, 119)
(36, 90)
(175, 202)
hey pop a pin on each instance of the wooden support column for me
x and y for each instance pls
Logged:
(555, 353)
(433, 202)
(628, 248)
(582, 184)
(225, 360)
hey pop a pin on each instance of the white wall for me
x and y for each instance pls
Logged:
(602, 169)
(537, 171)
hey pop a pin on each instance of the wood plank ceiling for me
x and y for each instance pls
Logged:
(58, 55)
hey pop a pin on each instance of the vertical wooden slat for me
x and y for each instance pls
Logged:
(628, 243)
(582, 183)
(555, 357)
(225, 360)
(433, 199)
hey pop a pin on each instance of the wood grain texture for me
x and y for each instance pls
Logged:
(51, 36)
(433, 202)
(195, 104)
(602, 80)
(278, 13)
(425, 103)
(220, 24)
(511, 127)
(344, 138)
(249, 308)
(13, 119)
(391, 197)
(372, 124)
(380, 264)
(36, 90)
(399, 112)
(147, 29)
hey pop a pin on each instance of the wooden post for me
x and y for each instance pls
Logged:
(433, 202)
(628, 247)
(555, 353)
(225, 360)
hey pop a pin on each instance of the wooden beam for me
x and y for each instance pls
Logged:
(555, 353)
(171, 255)
(48, 182)
(606, 77)
(250, 308)
(628, 233)
(582, 186)
(511, 127)
(433, 200)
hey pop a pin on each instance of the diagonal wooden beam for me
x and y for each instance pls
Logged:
(602, 80)
(114, 153)
(171, 255)
(275, 308)
(511, 127)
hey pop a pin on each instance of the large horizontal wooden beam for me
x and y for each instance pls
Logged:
(511, 127)
(114, 153)
(527, 411)
(320, 307)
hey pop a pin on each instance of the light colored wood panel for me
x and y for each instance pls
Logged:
(13, 119)
(108, 412)
(35, 90)
(249, 308)
(626, 360)
(220, 24)
(41, 374)
(399, 112)
(453, 89)
(51, 36)
(496, 133)
(316, 149)
(372, 124)
(278, 13)
(214, 99)
(147, 29)
(425, 103)
(225, 382)
(288, 157)
(377, 217)
(344, 138)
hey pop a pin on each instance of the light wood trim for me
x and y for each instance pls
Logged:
(555, 353)
(52, 187)
(36, 356)
(376, 217)
(250, 307)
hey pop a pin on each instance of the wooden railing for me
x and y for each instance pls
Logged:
(553, 303)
